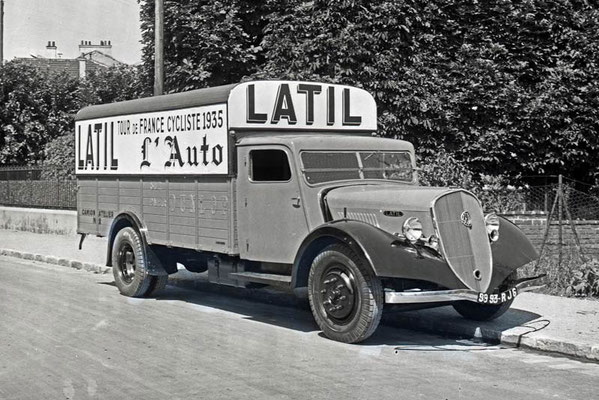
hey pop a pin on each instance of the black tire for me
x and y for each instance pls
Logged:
(157, 285)
(486, 312)
(129, 264)
(345, 296)
(481, 312)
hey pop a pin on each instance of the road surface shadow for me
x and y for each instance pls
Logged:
(280, 308)
(252, 307)
(248, 306)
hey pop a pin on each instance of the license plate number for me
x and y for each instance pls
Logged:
(497, 298)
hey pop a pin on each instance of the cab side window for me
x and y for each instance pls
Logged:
(269, 165)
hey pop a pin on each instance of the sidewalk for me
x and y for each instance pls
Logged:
(541, 322)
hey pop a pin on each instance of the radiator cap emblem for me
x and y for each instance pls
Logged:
(466, 219)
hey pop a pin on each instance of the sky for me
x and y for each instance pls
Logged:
(30, 24)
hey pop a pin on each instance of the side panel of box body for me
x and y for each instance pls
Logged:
(193, 212)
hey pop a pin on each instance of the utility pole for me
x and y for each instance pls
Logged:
(1, 32)
(158, 48)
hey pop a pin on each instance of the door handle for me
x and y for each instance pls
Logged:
(296, 202)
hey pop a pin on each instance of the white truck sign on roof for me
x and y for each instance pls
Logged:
(301, 105)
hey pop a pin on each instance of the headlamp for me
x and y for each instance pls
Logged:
(412, 229)
(492, 224)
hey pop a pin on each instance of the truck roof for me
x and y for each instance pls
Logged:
(192, 98)
(329, 141)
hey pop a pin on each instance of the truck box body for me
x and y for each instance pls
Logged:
(177, 211)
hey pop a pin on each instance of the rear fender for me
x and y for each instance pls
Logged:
(389, 256)
(128, 219)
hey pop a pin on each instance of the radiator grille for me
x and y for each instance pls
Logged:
(465, 248)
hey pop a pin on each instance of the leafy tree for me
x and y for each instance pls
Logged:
(34, 108)
(108, 85)
(59, 158)
(99, 87)
(37, 109)
(207, 43)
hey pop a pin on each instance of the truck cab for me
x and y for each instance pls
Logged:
(288, 184)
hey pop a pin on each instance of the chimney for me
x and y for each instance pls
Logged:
(51, 50)
(104, 46)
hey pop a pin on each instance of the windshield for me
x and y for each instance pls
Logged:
(326, 166)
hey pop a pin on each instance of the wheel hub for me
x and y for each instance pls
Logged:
(337, 293)
(127, 263)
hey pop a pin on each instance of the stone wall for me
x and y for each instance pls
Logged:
(534, 226)
(38, 220)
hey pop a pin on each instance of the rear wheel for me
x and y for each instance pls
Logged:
(157, 284)
(129, 265)
(345, 296)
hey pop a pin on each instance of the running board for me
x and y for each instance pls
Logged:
(260, 277)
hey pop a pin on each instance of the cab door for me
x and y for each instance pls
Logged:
(271, 217)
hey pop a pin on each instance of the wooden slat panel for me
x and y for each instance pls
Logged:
(129, 200)
(108, 191)
(87, 183)
(153, 218)
(154, 210)
(129, 184)
(88, 198)
(213, 233)
(185, 221)
(183, 240)
(156, 227)
(214, 223)
(107, 199)
(182, 230)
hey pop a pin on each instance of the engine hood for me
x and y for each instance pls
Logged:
(385, 206)
(385, 197)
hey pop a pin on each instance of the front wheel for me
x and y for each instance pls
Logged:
(345, 296)
(481, 312)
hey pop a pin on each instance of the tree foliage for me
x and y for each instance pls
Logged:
(506, 87)
(207, 43)
(33, 110)
(37, 110)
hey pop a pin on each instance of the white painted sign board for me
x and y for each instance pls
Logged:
(301, 106)
(194, 140)
(186, 141)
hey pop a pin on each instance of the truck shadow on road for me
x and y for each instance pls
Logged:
(441, 326)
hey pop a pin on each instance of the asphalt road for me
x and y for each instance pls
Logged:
(68, 334)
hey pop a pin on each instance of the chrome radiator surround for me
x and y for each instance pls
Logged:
(463, 244)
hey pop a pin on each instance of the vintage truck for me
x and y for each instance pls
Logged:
(285, 183)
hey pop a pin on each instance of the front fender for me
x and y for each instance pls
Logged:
(511, 251)
(388, 255)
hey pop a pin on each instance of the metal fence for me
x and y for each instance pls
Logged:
(26, 187)
(575, 199)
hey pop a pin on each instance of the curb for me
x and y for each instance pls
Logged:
(63, 262)
(515, 337)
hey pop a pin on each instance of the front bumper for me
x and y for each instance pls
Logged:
(441, 296)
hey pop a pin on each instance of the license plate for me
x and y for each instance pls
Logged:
(497, 298)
